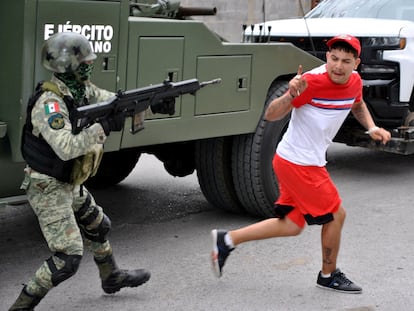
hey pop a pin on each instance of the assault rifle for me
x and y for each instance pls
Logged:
(129, 103)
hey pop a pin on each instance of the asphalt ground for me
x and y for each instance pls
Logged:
(163, 224)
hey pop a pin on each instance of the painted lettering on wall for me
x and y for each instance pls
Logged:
(99, 36)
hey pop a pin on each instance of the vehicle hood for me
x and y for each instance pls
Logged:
(359, 27)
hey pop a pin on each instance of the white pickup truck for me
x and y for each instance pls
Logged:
(386, 31)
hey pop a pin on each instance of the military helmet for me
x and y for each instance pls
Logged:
(65, 51)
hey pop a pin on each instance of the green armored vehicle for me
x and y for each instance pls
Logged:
(219, 132)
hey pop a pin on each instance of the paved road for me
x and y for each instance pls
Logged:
(163, 223)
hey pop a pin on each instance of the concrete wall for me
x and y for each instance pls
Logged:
(232, 14)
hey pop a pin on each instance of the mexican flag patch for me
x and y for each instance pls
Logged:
(52, 107)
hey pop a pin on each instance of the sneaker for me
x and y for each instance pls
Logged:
(220, 251)
(338, 282)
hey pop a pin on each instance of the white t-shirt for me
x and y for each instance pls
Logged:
(317, 116)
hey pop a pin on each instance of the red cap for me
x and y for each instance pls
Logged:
(351, 40)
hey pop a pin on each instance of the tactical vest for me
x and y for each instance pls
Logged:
(35, 150)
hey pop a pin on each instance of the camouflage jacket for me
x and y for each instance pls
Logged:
(50, 118)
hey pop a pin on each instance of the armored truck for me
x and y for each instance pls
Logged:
(218, 132)
(386, 32)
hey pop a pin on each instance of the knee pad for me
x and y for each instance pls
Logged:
(71, 266)
(89, 214)
(100, 233)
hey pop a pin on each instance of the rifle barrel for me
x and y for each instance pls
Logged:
(214, 81)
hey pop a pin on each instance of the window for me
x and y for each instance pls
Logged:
(388, 9)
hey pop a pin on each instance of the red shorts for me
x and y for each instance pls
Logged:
(308, 189)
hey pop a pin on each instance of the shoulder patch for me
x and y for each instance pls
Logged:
(56, 121)
(52, 107)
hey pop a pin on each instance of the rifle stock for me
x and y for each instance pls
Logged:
(130, 102)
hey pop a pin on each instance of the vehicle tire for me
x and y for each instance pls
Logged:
(252, 155)
(213, 165)
(114, 168)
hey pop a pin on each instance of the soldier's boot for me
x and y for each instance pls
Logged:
(25, 301)
(113, 278)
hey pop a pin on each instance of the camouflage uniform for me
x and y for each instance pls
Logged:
(53, 201)
(67, 213)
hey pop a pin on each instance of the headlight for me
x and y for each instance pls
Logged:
(377, 69)
(384, 42)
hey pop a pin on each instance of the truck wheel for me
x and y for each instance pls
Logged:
(252, 156)
(114, 168)
(213, 165)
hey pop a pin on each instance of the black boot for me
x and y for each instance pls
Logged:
(25, 301)
(113, 278)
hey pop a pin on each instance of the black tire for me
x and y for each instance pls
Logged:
(213, 165)
(114, 168)
(252, 155)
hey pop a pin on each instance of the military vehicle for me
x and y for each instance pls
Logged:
(385, 29)
(219, 132)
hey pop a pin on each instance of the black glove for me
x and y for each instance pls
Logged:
(113, 123)
(165, 106)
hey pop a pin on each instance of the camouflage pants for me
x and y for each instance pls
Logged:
(54, 204)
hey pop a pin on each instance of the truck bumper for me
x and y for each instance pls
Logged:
(402, 141)
(14, 200)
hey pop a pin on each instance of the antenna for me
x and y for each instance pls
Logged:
(307, 28)
(264, 22)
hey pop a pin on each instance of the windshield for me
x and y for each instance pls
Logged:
(388, 9)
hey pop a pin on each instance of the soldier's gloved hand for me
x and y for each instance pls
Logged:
(165, 106)
(113, 123)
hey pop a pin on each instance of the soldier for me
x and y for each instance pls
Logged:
(58, 162)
